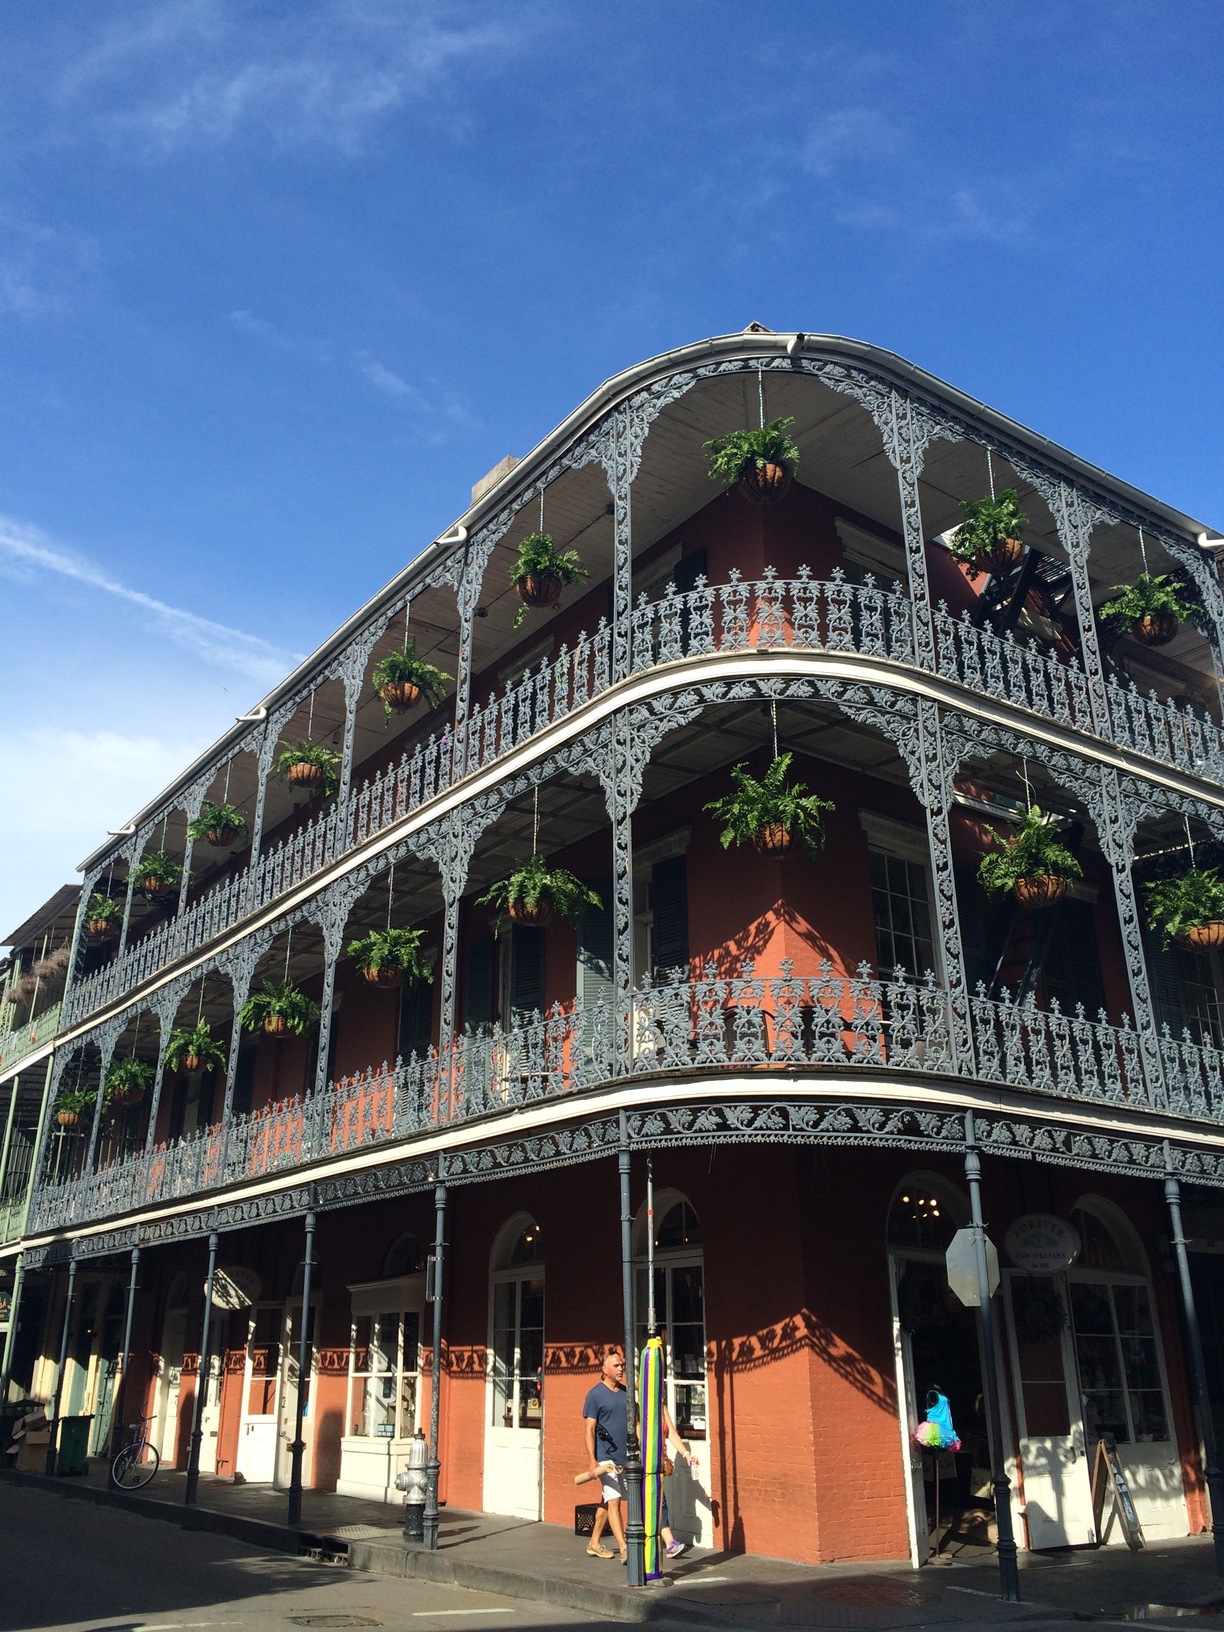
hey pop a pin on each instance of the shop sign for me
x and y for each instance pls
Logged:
(235, 1287)
(1041, 1243)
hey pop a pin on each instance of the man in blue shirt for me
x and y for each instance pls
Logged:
(606, 1425)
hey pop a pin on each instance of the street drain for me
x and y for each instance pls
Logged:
(333, 1620)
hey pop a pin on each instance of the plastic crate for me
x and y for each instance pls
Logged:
(584, 1518)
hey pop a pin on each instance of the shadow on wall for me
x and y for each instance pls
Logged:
(802, 1332)
(756, 939)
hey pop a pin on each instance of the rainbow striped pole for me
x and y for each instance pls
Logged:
(650, 1395)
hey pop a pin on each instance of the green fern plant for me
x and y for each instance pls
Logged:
(279, 1006)
(1033, 850)
(407, 669)
(325, 760)
(217, 824)
(195, 1043)
(988, 524)
(127, 1080)
(536, 892)
(384, 952)
(157, 873)
(739, 452)
(771, 812)
(1175, 906)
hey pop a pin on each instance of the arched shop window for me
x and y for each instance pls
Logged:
(516, 1321)
(679, 1295)
(1113, 1322)
(926, 1213)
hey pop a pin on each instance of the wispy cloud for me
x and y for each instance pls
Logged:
(27, 553)
(199, 73)
(386, 380)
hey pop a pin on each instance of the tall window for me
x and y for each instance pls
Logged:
(901, 902)
(384, 1368)
(679, 1296)
(517, 1354)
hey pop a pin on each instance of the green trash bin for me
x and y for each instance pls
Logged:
(73, 1444)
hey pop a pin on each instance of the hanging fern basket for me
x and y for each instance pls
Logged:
(128, 1096)
(539, 915)
(1041, 890)
(155, 889)
(400, 695)
(387, 974)
(1002, 557)
(1206, 937)
(774, 839)
(306, 775)
(764, 483)
(538, 589)
(68, 1119)
(192, 1062)
(1155, 629)
(221, 837)
(275, 1025)
(99, 928)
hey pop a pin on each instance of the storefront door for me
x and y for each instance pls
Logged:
(256, 1459)
(514, 1436)
(286, 1431)
(1057, 1494)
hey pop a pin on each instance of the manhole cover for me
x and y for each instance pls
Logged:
(333, 1620)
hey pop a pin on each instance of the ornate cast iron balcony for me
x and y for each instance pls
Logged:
(799, 614)
(806, 1026)
(15, 1045)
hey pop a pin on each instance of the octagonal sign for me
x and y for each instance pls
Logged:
(961, 1259)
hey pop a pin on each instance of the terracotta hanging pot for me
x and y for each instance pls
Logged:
(1204, 937)
(542, 913)
(156, 889)
(387, 974)
(539, 589)
(1042, 890)
(222, 837)
(306, 775)
(1002, 557)
(99, 927)
(129, 1096)
(67, 1119)
(1156, 629)
(400, 695)
(192, 1062)
(275, 1025)
(765, 484)
(774, 839)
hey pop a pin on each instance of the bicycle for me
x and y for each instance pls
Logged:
(137, 1461)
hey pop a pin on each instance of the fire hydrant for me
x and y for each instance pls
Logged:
(413, 1481)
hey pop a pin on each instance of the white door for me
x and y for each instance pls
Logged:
(210, 1415)
(903, 1361)
(256, 1459)
(514, 1438)
(170, 1373)
(1057, 1492)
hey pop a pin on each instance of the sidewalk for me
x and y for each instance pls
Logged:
(546, 1563)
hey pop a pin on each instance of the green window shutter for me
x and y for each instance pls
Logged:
(595, 937)
(687, 571)
(527, 946)
(478, 986)
(1164, 981)
(415, 1019)
(244, 1080)
(1072, 966)
(669, 905)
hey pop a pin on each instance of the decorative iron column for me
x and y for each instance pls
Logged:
(621, 804)
(1009, 1572)
(121, 1398)
(934, 790)
(165, 1013)
(1074, 517)
(1212, 1472)
(69, 1300)
(298, 1448)
(107, 1038)
(907, 432)
(1121, 803)
(333, 939)
(88, 885)
(635, 1531)
(434, 1466)
(191, 1494)
(351, 670)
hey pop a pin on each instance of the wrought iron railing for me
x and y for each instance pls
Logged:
(801, 613)
(15, 1045)
(818, 1022)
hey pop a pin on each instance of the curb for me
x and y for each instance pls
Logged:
(277, 1538)
(401, 1559)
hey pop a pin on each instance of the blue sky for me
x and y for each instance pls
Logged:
(279, 281)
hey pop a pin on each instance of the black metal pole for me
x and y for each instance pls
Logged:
(53, 1442)
(197, 1402)
(434, 1466)
(10, 1337)
(1198, 1374)
(298, 1449)
(1009, 1568)
(635, 1530)
(120, 1402)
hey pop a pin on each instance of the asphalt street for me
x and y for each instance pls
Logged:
(76, 1567)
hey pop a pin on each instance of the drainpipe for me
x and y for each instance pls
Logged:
(298, 1448)
(1009, 1569)
(191, 1494)
(635, 1531)
(1198, 1370)
(117, 1426)
(69, 1299)
(434, 1467)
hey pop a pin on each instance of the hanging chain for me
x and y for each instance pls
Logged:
(200, 1008)
(761, 395)
(773, 709)
(288, 950)
(390, 893)
(1189, 839)
(541, 510)
(1028, 787)
(225, 795)
(1143, 552)
(535, 820)
(990, 472)
(310, 721)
